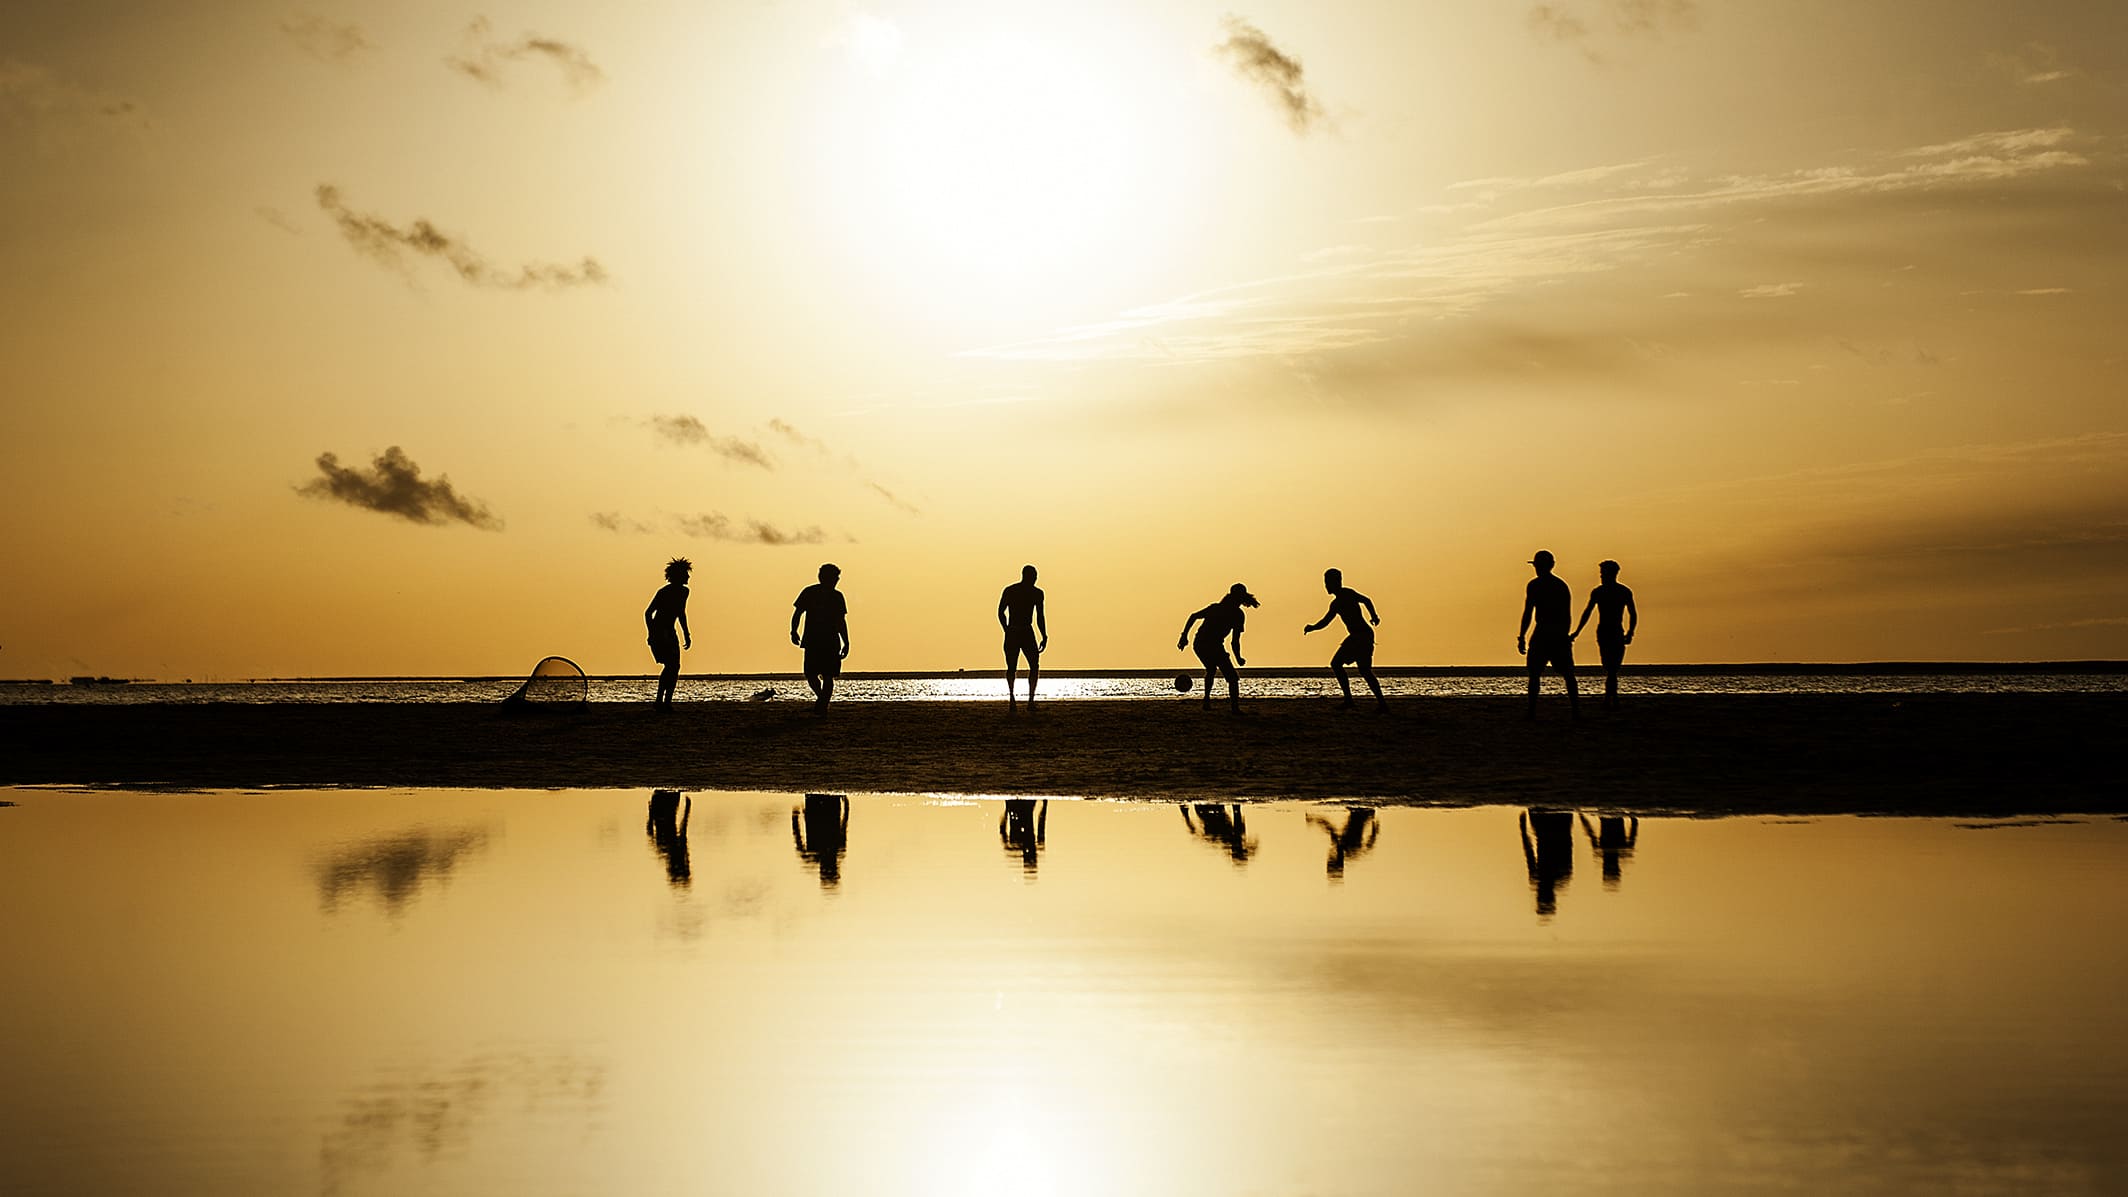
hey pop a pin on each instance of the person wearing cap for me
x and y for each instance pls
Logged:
(1358, 645)
(827, 633)
(1548, 598)
(1222, 619)
(1616, 619)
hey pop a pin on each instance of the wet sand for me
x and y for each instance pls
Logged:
(1980, 754)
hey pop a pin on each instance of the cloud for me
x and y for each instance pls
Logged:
(34, 97)
(1581, 24)
(614, 521)
(485, 60)
(393, 485)
(894, 499)
(1279, 74)
(715, 525)
(689, 431)
(327, 41)
(395, 867)
(796, 437)
(2066, 625)
(1771, 291)
(2036, 64)
(388, 244)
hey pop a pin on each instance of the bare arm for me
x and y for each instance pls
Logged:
(1041, 623)
(1584, 616)
(1372, 616)
(1324, 622)
(1183, 641)
(1002, 596)
(1237, 648)
(797, 613)
(1529, 604)
(1632, 617)
(687, 637)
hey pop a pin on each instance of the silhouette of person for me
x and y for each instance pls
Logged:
(1612, 839)
(1223, 825)
(1358, 645)
(1550, 857)
(1020, 613)
(1221, 619)
(668, 607)
(820, 827)
(1551, 644)
(1024, 828)
(1349, 841)
(1616, 619)
(666, 825)
(827, 633)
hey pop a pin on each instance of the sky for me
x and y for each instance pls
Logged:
(402, 338)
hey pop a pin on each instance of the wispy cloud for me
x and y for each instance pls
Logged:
(614, 521)
(393, 485)
(2035, 64)
(2066, 625)
(691, 432)
(54, 108)
(485, 59)
(1274, 71)
(327, 40)
(390, 245)
(1586, 25)
(894, 499)
(1522, 238)
(787, 432)
(715, 525)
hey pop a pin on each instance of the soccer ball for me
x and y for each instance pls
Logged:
(1182, 683)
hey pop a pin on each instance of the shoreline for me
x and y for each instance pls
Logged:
(2007, 754)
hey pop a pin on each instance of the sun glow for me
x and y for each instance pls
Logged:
(994, 168)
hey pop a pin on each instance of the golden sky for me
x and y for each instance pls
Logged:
(1808, 313)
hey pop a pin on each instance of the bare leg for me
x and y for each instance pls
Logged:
(1344, 682)
(1034, 675)
(1233, 687)
(1573, 695)
(1012, 678)
(1532, 694)
(1367, 671)
(668, 681)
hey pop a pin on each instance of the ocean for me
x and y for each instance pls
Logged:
(2101, 677)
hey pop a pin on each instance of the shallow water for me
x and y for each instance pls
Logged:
(983, 687)
(530, 992)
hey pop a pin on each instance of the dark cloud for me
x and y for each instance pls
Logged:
(395, 867)
(1581, 24)
(485, 59)
(393, 485)
(1278, 73)
(614, 521)
(327, 41)
(388, 243)
(687, 430)
(32, 95)
(716, 525)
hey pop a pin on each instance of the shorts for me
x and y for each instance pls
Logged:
(823, 657)
(1612, 649)
(665, 647)
(1021, 640)
(1358, 649)
(1554, 649)
(1214, 655)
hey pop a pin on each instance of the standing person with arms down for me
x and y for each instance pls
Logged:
(1551, 644)
(668, 607)
(1221, 619)
(827, 633)
(1616, 619)
(1020, 613)
(1358, 645)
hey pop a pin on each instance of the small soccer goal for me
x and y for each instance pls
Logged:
(555, 681)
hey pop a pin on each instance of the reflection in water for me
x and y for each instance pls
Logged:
(1024, 828)
(436, 1112)
(821, 830)
(396, 866)
(1612, 839)
(1551, 856)
(1223, 825)
(666, 825)
(1349, 841)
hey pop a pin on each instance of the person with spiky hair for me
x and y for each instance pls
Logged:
(668, 607)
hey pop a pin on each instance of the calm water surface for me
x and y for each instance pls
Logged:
(588, 992)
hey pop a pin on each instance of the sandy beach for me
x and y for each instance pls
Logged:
(1994, 754)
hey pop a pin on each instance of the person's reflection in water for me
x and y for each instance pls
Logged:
(666, 825)
(1223, 825)
(821, 829)
(1612, 839)
(1349, 841)
(1548, 850)
(1024, 828)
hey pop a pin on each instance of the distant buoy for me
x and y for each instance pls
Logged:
(1182, 683)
